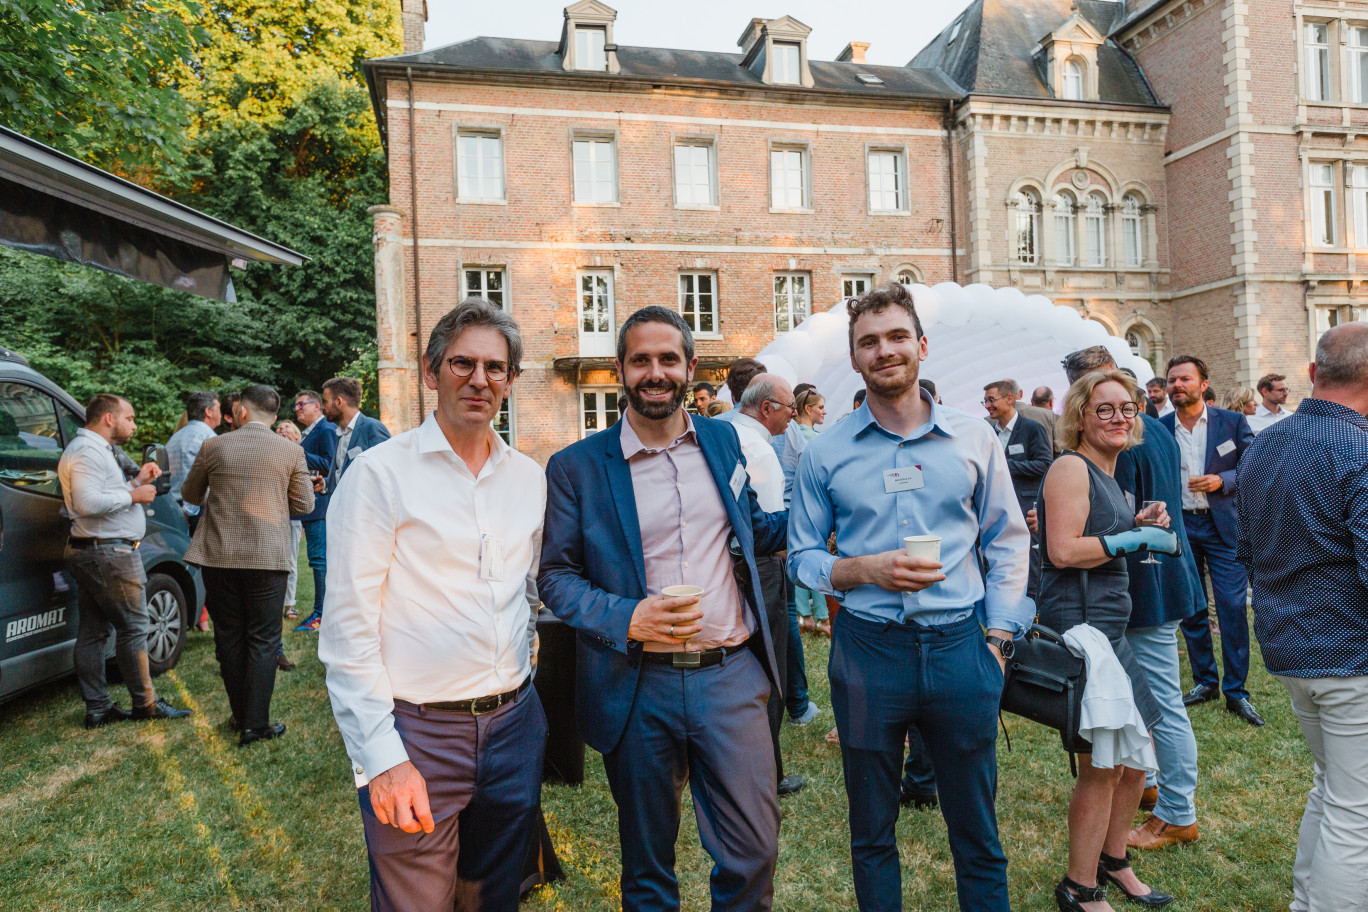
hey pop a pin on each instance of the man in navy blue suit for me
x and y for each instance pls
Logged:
(670, 688)
(1210, 444)
(320, 446)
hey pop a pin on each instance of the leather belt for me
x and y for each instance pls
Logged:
(1200, 511)
(480, 705)
(96, 542)
(703, 659)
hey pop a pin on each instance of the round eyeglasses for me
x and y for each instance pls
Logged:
(1106, 411)
(463, 367)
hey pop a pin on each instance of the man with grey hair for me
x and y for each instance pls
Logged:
(434, 540)
(1302, 498)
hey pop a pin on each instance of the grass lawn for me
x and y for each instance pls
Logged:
(173, 816)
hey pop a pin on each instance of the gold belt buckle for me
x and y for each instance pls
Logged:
(687, 660)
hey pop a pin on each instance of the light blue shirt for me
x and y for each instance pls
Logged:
(181, 451)
(966, 498)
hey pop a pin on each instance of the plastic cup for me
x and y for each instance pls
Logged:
(926, 547)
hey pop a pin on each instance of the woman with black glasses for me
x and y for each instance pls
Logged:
(1086, 526)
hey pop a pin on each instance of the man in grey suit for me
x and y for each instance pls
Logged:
(250, 482)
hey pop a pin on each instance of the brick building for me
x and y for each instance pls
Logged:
(1182, 171)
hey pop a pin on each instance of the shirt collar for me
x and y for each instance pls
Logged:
(632, 445)
(1328, 409)
(1263, 411)
(308, 430)
(1009, 426)
(351, 425)
(863, 419)
(86, 432)
(432, 440)
(747, 421)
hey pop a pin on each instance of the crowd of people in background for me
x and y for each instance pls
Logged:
(693, 543)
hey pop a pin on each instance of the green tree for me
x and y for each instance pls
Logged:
(99, 78)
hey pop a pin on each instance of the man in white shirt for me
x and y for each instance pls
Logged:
(107, 525)
(433, 547)
(1157, 391)
(1274, 390)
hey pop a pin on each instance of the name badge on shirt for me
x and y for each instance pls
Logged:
(491, 558)
(353, 453)
(908, 478)
(738, 481)
(1015, 449)
(1226, 448)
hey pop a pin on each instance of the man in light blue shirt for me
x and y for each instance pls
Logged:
(908, 648)
(202, 408)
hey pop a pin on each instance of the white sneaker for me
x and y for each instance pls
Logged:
(813, 711)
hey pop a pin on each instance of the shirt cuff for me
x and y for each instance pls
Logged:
(1001, 619)
(821, 580)
(384, 753)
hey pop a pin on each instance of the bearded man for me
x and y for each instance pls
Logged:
(670, 688)
(908, 646)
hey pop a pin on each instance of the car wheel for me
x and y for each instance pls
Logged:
(168, 620)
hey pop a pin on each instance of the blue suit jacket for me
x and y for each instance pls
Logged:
(367, 433)
(320, 446)
(593, 572)
(1222, 425)
(1169, 590)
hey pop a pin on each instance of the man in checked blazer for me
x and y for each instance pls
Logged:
(249, 482)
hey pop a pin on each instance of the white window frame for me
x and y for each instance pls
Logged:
(481, 187)
(1356, 58)
(601, 410)
(1324, 223)
(784, 183)
(1316, 60)
(1095, 231)
(507, 407)
(599, 342)
(593, 143)
(779, 70)
(1071, 81)
(481, 288)
(876, 180)
(1026, 227)
(1132, 231)
(692, 277)
(694, 143)
(1358, 195)
(784, 321)
(1065, 219)
(591, 55)
(851, 281)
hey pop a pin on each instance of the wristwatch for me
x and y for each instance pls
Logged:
(1006, 647)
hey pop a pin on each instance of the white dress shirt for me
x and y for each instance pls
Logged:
(407, 614)
(344, 435)
(762, 463)
(1192, 447)
(1263, 419)
(1166, 408)
(1004, 433)
(98, 496)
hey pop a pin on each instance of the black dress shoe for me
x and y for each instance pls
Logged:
(115, 713)
(916, 800)
(791, 784)
(160, 710)
(1107, 864)
(253, 735)
(1070, 895)
(1245, 710)
(1202, 693)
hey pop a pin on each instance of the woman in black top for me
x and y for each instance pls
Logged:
(1086, 525)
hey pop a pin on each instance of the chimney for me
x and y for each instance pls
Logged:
(754, 29)
(413, 15)
(853, 53)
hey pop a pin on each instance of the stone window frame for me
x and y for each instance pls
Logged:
(1357, 93)
(1033, 188)
(1313, 212)
(594, 134)
(897, 271)
(696, 139)
(478, 129)
(716, 332)
(1303, 60)
(487, 267)
(870, 276)
(774, 304)
(1356, 203)
(899, 150)
(509, 403)
(601, 389)
(1081, 66)
(805, 147)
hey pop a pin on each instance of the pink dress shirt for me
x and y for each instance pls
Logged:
(684, 530)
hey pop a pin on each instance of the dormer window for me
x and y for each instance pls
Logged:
(784, 69)
(1069, 57)
(1073, 80)
(589, 49)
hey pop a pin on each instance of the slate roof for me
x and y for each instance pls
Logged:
(992, 54)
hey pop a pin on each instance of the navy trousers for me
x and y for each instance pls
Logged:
(945, 680)
(919, 776)
(483, 778)
(1229, 584)
(708, 726)
(316, 546)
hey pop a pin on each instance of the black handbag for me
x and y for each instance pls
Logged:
(1044, 682)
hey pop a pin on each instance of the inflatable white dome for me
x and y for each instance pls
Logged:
(976, 334)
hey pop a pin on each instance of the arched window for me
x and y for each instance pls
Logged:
(906, 276)
(1132, 231)
(1095, 231)
(1065, 230)
(1027, 227)
(1138, 344)
(1073, 79)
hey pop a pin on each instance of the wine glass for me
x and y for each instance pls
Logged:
(1154, 505)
